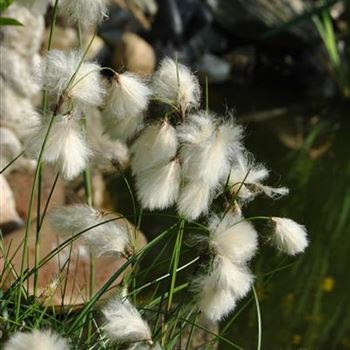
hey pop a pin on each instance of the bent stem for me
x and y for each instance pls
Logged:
(258, 314)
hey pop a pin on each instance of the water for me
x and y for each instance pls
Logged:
(306, 305)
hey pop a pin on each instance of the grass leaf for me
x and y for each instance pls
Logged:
(6, 21)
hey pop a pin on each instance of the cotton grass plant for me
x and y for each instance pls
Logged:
(185, 160)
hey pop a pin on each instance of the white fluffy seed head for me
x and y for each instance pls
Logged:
(197, 129)
(75, 154)
(158, 187)
(194, 199)
(246, 179)
(124, 323)
(218, 291)
(244, 172)
(156, 144)
(100, 236)
(289, 237)
(36, 339)
(65, 146)
(106, 151)
(124, 129)
(213, 302)
(128, 96)
(233, 237)
(208, 148)
(230, 276)
(84, 12)
(175, 84)
(70, 220)
(86, 87)
(64, 73)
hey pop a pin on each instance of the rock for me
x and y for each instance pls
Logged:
(216, 69)
(168, 24)
(243, 62)
(64, 38)
(142, 10)
(38, 8)
(148, 7)
(19, 63)
(111, 36)
(96, 47)
(183, 29)
(98, 191)
(25, 40)
(56, 272)
(249, 19)
(21, 184)
(10, 148)
(134, 54)
(16, 112)
(9, 218)
(17, 72)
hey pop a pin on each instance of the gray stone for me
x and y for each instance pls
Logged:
(249, 19)
(215, 68)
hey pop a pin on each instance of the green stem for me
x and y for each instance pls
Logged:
(89, 200)
(92, 287)
(48, 200)
(53, 23)
(88, 186)
(37, 241)
(11, 162)
(189, 339)
(258, 313)
(175, 262)
(206, 330)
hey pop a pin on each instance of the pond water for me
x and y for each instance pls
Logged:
(305, 304)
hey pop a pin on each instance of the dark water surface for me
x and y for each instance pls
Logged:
(307, 149)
